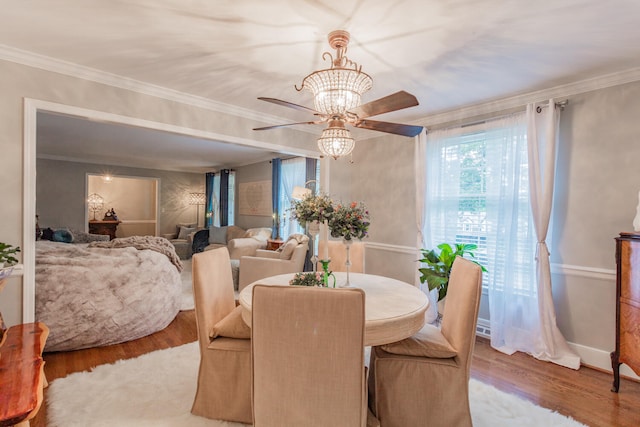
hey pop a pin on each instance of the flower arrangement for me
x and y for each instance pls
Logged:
(307, 279)
(312, 208)
(350, 221)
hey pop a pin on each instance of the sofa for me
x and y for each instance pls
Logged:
(238, 241)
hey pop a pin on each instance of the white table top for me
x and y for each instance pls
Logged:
(394, 310)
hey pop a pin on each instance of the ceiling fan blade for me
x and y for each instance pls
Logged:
(395, 128)
(289, 124)
(393, 102)
(289, 104)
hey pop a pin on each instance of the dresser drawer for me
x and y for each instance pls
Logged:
(630, 270)
(630, 335)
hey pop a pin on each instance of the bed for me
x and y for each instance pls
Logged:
(104, 293)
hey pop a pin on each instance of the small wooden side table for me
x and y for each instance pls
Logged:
(22, 373)
(274, 244)
(104, 227)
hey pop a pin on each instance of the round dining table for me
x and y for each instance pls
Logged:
(394, 310)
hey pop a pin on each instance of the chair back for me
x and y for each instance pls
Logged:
(298, 256)
(461, 308)
(212, 291)
(308, 356)
(338, 254)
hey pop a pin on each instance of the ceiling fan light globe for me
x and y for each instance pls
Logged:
(336, 142)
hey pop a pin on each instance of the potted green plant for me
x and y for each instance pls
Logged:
(7, 261)
(437, 268)
(7, 252)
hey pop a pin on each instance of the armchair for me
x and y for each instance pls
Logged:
(182, 239)
(289, 258)
(238, 241)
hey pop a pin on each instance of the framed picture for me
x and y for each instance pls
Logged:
(255, 198)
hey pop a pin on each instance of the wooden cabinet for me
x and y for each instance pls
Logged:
(104, 227)
(627, 306)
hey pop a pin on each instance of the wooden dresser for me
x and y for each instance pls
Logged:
(627, 306)
(104, 227)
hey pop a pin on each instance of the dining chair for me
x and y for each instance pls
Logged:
(224, 377)
(338, 254)
(308, 357)
(424, 380)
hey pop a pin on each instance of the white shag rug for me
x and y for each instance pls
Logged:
(186, 297)
(157, 390)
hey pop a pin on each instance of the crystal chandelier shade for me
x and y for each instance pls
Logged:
(337, 90)
(336, 141)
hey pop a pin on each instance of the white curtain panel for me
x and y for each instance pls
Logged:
(521, 307)
(420, 167)
(292, 173)
(542, 135)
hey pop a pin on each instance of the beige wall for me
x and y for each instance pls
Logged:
(252, 173)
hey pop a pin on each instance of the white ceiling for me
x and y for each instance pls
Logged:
(448, 53)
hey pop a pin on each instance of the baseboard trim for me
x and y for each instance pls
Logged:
(600, 360)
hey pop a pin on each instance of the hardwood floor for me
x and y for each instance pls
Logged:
(583, 395)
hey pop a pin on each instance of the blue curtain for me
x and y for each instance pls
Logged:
(210, 199)
(276, 169)
(224, 197)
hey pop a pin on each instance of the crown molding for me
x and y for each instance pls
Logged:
(47, 63)
(521, 100)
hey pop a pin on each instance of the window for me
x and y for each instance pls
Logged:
(477, 191)
(214, 211)
(292, 174)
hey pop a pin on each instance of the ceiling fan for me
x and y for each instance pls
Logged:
(337, 100)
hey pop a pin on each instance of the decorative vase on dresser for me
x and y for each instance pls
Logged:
(627, 306)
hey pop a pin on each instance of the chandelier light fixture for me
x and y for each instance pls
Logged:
(337, 99)
(336, 91)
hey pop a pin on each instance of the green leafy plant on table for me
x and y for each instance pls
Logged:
(437, 270)
(307, 279)
(7, 253)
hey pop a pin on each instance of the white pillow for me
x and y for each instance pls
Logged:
(184, 232)
(218, 235)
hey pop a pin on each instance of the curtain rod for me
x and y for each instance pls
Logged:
(498, 115)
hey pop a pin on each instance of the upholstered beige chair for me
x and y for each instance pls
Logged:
(424, 380)
(308, 357)
(224, 378)
(338, 255)
(289, 258)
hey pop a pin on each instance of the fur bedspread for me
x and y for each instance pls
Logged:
(158, 244)
(91, 296)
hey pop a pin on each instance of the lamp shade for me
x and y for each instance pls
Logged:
(197, 198)
(299, 193)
